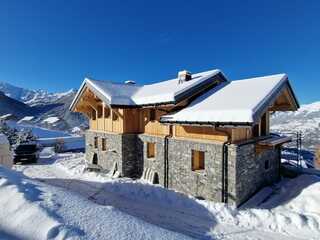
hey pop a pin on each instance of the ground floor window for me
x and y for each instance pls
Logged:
(197, 160)
(266, 164)
(95, 142)
(103, 144)
(151, 150)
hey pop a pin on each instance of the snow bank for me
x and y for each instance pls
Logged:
(22, 210)
(34, 210)
(290, 208)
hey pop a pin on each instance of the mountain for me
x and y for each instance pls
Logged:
(11, 106)
(58, 116)
(31, 97)
(306, 120)
(38, 107)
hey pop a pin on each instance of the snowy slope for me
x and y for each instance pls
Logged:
(306, 120)
(11, 106)
(34, 210)
(289, 211)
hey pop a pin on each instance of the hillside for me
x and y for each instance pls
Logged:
(12, 106)
(50, 110)
(306, 120)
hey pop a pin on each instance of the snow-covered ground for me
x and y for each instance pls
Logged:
(38, 131)
(72, 203)
(51, 120)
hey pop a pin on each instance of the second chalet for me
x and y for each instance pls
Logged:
(199, 134)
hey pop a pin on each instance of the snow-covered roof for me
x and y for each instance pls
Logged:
(241, 101)
(3, 139)
(169, 91)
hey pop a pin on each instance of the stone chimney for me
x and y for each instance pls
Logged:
(184, 76)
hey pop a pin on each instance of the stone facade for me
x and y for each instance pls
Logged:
(120, 148)
(246, 169)
(255, 170)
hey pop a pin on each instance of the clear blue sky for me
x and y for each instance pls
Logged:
(54, 44)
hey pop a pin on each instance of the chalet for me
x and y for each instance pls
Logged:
(199, 134)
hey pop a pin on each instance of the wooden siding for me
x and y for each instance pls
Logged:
(153, 127)
(206, 133)
(138, 121)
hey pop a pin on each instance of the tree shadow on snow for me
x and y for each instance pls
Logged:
(5, 235)
(154, 204)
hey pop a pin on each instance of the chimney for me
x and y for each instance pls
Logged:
(130, 82)
(184, 76)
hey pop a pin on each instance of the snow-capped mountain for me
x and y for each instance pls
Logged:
(40, 108)
(306, 120)
(31, 97)
(11, 106)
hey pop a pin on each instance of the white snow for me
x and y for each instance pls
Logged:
(6, 116)
(26, 119)
(37, 131)
(51, 120)
(76, 130)
(3, 139)
(132, 94)
(33, 210)
(229, 101)
(87, 205)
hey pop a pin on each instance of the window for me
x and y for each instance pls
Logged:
(197, 160)
(100, 111)
(152, 115)
(103, 144)
(151, 150)
(95, 142)
(266, 164)
(106, 112)
(93, 114)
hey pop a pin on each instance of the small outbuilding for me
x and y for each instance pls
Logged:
(5, 153)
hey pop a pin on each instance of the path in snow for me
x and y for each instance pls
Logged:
(200, 224)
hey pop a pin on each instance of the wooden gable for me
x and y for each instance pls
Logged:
(285, 101)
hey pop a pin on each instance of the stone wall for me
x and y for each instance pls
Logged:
(120, 148)
(251, 174)
(246, 169)
(203, 183)
(157, 163)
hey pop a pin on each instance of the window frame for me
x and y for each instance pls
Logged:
(103, 144)
(200, 166)
(152, 154)
(96, 142)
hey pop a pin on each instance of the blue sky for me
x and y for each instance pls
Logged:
(54, 44)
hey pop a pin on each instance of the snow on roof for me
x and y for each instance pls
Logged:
(132, 94)
(231, 102)
(3, 139)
